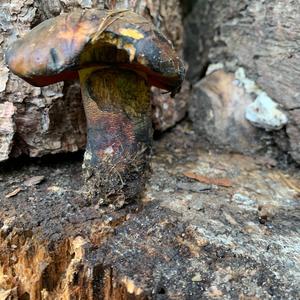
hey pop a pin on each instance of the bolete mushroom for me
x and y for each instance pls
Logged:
(117, 56)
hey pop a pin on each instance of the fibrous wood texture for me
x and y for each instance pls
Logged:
(51, 119)
(260, 39)
(211, 226)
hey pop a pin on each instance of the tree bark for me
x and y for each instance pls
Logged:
(259, 40)
(51, 119)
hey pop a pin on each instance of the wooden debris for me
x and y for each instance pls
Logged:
(54, 189)
(13, 193)
(225, 182)
(34, 180)
(197, 277)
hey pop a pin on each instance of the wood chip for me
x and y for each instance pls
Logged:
(34, 180)
(13, 193)
(209, 180)
(197, 277)
(54, 189)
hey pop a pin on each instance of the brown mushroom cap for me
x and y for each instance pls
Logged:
(57, 48)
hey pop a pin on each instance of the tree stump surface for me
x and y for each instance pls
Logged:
(257, 38)
(231, 234)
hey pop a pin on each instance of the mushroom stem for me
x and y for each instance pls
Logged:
(119, 133)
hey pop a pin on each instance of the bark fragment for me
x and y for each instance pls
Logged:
(7, 128)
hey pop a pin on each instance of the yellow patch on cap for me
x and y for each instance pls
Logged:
(133, 33)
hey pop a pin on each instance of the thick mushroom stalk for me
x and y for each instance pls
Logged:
(117, 108)
(117, 56)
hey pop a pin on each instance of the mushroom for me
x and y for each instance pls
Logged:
(117, 56)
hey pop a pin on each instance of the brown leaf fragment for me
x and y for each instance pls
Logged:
(34, 180)
(209, 180)
(13, 193)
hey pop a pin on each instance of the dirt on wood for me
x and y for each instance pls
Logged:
(186, 239)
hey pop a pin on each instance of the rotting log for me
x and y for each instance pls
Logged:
(256, 42)
(187, 239)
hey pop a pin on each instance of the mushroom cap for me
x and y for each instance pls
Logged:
(57, 48)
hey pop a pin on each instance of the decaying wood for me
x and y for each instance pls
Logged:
(217, 108)
(261, 38)
(234, 242)
(51, 119)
